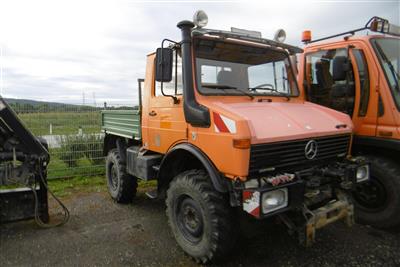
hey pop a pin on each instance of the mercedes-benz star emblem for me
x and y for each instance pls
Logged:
(311, 149)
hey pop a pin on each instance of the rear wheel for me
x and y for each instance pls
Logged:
(121, 186)
(200, 217)
(377, 201)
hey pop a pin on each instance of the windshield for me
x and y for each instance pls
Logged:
(225, 68)
(388, 51)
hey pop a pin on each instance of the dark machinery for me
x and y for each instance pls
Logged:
(23, 171)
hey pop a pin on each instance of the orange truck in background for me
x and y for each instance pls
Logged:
(360, 75)
(224, 129)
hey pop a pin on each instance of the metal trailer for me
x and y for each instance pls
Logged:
(23, 170)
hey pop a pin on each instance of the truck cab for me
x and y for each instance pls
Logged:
(359, 76)
(224, 129)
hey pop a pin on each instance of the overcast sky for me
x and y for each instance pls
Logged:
(56, 50)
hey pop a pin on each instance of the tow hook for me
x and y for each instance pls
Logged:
(341, 209)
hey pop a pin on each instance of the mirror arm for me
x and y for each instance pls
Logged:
(176, 100)
(176, 71)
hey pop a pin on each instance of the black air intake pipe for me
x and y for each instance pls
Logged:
(195, 114)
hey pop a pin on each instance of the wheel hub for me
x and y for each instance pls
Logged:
(190, 220)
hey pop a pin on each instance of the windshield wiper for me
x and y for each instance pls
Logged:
(272, 90)
(223, 87)
(396, 76)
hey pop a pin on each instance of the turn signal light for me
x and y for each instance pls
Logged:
(241, 143)
(306, 36)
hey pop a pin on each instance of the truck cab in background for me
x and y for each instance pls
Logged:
(360, 75)
(225, 131)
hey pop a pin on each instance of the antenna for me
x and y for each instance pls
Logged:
(83, 98)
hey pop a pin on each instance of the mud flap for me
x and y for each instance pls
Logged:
(341, 209)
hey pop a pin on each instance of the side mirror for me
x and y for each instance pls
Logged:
(164, 60)
(341, 66)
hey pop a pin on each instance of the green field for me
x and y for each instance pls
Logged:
(62, 123)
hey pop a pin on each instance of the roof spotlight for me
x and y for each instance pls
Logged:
(280, 36)
(200, 19)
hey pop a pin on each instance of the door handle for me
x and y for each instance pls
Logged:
(152, 113)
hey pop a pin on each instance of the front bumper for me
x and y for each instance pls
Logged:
(315, 197)
(342, 176)
(339, 210)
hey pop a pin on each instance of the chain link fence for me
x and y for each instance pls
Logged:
(73, 133)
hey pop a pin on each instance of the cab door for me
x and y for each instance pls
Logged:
(388, 64)
(165, 118)
(323, 88)
(366, 109)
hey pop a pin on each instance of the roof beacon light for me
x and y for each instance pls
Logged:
(306, 36)
(280, 36)
(200, 19)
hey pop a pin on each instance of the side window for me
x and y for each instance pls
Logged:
(169, 87)
(364, 81)
(322, 88)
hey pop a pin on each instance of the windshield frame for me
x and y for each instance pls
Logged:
(295, 92)
(376, 52)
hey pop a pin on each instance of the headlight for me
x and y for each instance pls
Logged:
(200, 19)
(362, 173)
(280, 36)
(274, 200)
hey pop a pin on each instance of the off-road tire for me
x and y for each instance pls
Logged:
(385, 173)
(121, 186)
(217, 237)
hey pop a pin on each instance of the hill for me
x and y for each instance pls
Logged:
(14, 101)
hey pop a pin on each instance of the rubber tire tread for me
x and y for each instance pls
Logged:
(218, 215)
(388, 173)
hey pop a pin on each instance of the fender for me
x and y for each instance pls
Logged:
(376, 142)
(216, 178)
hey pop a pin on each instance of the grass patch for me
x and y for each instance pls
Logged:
(84, 168)
(67, 122)
(66, 187)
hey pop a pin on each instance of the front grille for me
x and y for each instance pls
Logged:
(290, 155)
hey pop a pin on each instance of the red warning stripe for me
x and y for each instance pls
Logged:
(256, 212)
(220, 123)
(247, 195)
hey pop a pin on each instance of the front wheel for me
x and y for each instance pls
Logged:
(200, 217)
(377, 201)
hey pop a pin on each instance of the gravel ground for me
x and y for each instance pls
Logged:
(101, 232)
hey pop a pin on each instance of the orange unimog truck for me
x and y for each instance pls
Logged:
(224, 130)
(360, 75)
